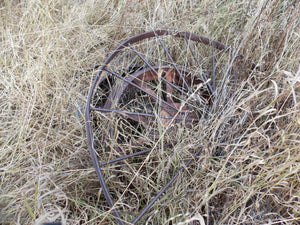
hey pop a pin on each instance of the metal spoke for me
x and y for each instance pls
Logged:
(213, 66)
(124, 112)
(171, 84)
(129, 156)
(196, 59)
(173, 63)
(166, 186)
(142, 89)
(151, 67)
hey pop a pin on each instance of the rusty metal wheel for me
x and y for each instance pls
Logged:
(155, 79)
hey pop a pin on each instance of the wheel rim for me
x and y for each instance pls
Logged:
(174, 94)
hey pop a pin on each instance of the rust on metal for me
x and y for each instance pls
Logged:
(173, 79)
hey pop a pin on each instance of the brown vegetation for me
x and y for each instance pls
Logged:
(249, 171)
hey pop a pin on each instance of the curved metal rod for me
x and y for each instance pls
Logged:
(150, 34)
(99, 172)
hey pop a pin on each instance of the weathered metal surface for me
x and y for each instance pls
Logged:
(174, 79)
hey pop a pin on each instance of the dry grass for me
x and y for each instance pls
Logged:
(249, 172)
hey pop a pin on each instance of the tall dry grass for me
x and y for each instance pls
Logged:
(249, 172)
